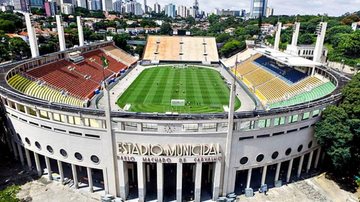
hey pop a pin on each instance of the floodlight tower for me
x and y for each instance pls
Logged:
(80, 31)
(277, 36)
(228, 177)
(295, 36)
(32, 36)
(60, 30)
(320, 31)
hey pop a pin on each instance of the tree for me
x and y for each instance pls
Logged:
(221, 38)
(350, 19)
(190, 21)
(7, 26)
(147, 23)
(349, 44)
(121, 41)
(339, 130)
(332, 33)
(165, 28)
(231, 47)
(306, 39)
(19, 48)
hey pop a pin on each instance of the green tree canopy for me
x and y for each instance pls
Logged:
(121, 41)
(165, 28)
(339, 130)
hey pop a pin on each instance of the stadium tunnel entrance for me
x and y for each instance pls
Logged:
(188, 181)
(151, 181)
(133, 181)
(169, 181)
(207, 181)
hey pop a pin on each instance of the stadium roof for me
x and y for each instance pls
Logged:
(290, 60)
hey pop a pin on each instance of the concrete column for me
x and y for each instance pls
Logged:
(198, 177)
(179, 172)
(21, 154)
(123, 179)
(60, 30)
(61, 171)
(28, 159)
(37, 163)
(141, 181)
(34, 48)
(48, 167)
(248, 180)
(90, 179)
(317, 158)
(277, 36)
(80, 31)
(277, 173)
(75, 177)
(300, 165)
(309, 161)
(295, 36)
(289, 170)
(216, 181)
(160, 181)
(320, 42)
(229, 141)
(106, 181)
(263, 177)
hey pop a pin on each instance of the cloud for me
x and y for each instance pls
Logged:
(281, 7)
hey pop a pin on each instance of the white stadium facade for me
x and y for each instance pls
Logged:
(155, 156)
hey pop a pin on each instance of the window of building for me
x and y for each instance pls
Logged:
(275, 155)
(63, 153)
(78, 156)
(260, 157)
(300, 148)
(306, 115)
(310, 144)
(37, 144)
(27, 141)
(95, 159)
(50, 149)
(288, 152)
(244, 160)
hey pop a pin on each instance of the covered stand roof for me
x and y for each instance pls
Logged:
(287, 59)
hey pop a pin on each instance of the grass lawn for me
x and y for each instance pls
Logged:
(203, 90)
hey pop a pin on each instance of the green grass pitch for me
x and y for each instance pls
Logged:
(203, 90)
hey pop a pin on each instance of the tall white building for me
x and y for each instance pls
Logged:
(94, 5)
(196, 8)
(269, 12)
(258, 8)
(117, 6)
(81, 3)
(170, 10)
(191, 12)
(157, 8)
(138, 9)
(145, 7)
(107, 5)
(182, 11)
(67, 8)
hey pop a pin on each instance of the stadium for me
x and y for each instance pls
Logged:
(179, 124)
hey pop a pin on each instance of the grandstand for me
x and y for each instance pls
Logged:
(181, 49)
(279, 85)
(72, 81)
(119, 55)
(81, 79)
(34, 89)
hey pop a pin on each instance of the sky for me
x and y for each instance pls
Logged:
(281, 7)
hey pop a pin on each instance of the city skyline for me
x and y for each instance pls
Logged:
(281, 7)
